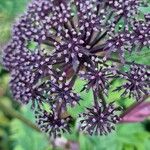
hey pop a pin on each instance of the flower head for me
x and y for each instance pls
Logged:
(98, 78)
(52, 123)
(137, 82)
(126, 8)
(141, 34)
(99, 120)
(120, 43)
(62, 95)
(57, 41)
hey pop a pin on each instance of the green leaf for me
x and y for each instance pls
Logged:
(86, 99)
(145, 10)
(26, 138)
(85, 143)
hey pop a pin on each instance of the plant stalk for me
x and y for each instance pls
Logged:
(135, 105)
(12, 113)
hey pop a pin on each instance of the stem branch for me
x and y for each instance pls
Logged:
(12, 113)
(134, 105)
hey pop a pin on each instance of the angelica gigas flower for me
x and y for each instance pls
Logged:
(57, 42)
(141, 34)
(99, 120)
(137, 82)
(52, 123)
(126, 8)
(62, 95)
(98, 78)
(119, 42)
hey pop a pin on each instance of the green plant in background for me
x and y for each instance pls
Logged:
(17, 135)
(8, 11)
(23, 135)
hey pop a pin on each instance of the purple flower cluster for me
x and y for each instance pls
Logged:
(141, 33)
(99, 119)
(52, 123)
(98, 78)
(56, 42)
(126, 8)
(137, 82)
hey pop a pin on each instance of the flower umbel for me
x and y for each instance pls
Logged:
(56, 42)
(99, 120)
(52, 123)
(98, 77)
(137, 82)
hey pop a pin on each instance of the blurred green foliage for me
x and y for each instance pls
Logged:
(9, 9)
(26, 138)
(15, 135)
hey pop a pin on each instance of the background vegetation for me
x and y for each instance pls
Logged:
(17, 130)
